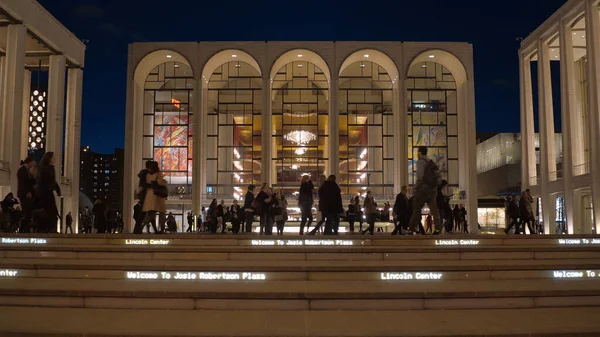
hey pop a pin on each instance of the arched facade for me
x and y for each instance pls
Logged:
(271, 112)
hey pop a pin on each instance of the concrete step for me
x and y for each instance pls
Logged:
(75, 322)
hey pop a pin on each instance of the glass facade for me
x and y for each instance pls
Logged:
(167, 124)
(300, 136)
(366, 136)
(233, 130)
(433, 118)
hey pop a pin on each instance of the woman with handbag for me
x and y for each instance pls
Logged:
(154, 201)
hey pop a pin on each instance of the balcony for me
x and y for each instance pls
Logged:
(579, 170)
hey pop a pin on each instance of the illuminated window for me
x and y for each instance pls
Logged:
(167, 122)
(433, 119)
(300, 124)
(234, 129)
(366, 136)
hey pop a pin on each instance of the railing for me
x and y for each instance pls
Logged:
(581, 169)
(555, 175)
(534, 180)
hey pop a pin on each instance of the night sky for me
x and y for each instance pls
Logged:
(108, 26)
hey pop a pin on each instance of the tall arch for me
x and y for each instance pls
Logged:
(459, 106)
(231, 127)
(375, 56)
(298, 127)
(135, 118)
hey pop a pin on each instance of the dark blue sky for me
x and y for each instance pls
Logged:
(492, 26)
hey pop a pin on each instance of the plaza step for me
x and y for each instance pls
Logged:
(255, 278)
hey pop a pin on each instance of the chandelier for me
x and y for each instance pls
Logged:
(300, 137)
(300, 151)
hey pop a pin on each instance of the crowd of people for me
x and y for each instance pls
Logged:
(520, 214)
(34, 207)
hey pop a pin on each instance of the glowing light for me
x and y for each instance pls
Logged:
(300, 55)
(176, 103)
(366, 56)
(169, 56)
(431, 56)
(300, 137)
(234, 56)
(295, 167)
(363, 154)
(300, 151)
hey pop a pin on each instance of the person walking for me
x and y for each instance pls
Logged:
(69, 223)
(513, 215)
(86, 220)
(526, 211)
(353, 210)
(249, 211)
(428, 180)
(320, 215)
(45, 186)
(305, 203)
(401, 210)
(371, 211)
(154, 201)
(330, 200)
(25, 193)
(190, 221)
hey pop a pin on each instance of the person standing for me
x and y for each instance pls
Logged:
(265, 200)
(221, 216)
(428, 180)
(99, 211)
(330, 200)
(305, 203)
(249, 211)
(138, 217)
(86, 220)
(154, 203)
(371, 211)
(69, 223)
(526, 211)
(25, 193)
(353, 210)
(235, 215)
(190, 221)
(463, 219)
(401, 210)
(212, 216)
(457, 221)
(45, 186)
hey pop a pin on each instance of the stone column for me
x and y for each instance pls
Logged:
(400, 137)
(56, 109)
(267, 131)
(334, 129)
(568, 110)
(25, 118)
(547, 146)
(73, 141)
(198, 164)
(528, 159)
(592, 20)
(12, 102)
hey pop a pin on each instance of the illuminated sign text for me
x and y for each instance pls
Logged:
(411, 276)
(456, 242)
(576, 274)
(579, 241)
(8, 273)
(146, 242)
(24, 241)
(200, 276)
(307, 242)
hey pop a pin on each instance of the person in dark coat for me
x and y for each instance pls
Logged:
(330, 199)
(69, 223)
(401, 208)
(513, 213)
(190, 221)
(25, 192)
(138, 217)
(236, 215)
(305, 203)
(265, 199)
(353, 212)
(8, 221)
(45, 186)
(99, 211)
(212, 216)
(248, 210)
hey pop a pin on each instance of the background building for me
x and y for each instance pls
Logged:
(31, 39)
(102, 177)
(569, 39)
(218, 119)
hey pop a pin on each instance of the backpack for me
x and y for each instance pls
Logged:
(432, 176)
